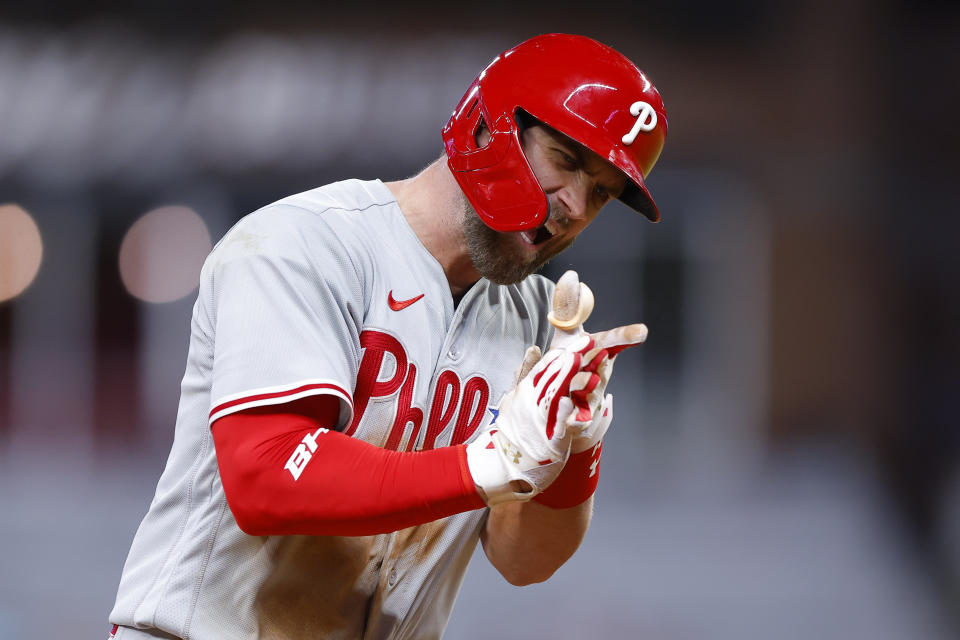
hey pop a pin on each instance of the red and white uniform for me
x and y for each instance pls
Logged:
(324, 292)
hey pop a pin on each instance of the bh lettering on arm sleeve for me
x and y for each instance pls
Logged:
(285, 471)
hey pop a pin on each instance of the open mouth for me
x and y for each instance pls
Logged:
(536, 236)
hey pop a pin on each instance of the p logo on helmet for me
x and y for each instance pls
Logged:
(646, 120)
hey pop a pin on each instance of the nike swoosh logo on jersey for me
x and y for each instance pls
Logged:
(399, 305)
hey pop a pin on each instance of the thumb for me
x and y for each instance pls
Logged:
(572, 304)
(530, 358)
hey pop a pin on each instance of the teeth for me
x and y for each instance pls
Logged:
(529, 236)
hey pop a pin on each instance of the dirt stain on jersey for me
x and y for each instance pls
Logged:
(320, 587)
(429, 536)
(421, 538)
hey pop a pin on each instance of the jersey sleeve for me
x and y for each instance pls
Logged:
(285, 305)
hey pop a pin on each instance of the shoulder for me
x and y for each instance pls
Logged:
(315, 238)
(314, 225)
(346, 196)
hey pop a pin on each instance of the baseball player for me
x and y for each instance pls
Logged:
(352, 418)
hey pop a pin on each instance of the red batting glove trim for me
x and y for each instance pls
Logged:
(564, 390)
(576, 483)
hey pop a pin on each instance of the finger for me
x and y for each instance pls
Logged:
(565, 411)
(605, 369)
(530, 358)
(591, 436)
(548, 368)
(573, 309)
(586, 395)
(600, 362)
(593, 359)
(600, 426)
(559, 385)
(616, 340)
(572, 304)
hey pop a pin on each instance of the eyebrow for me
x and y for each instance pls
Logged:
(579, 153)
(615, 189)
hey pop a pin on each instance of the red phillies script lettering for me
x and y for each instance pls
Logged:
(453, 401)
(376, 346)
(406, 413)
(446, 397)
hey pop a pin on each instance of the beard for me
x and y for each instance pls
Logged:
(495, 254)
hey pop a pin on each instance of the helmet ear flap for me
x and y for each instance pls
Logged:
(495, 177)
(506, 195)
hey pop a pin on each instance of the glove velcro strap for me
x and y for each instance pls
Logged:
(492, 472)
(576, 483)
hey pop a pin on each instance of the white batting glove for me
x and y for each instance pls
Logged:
(525, 447)
(586, 433)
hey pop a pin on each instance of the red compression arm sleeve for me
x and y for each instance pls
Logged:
(283, 474)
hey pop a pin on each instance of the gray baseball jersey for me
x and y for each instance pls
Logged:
(325, 292)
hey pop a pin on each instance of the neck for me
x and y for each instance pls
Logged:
(433, 206)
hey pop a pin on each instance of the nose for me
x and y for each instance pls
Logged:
(575, 197)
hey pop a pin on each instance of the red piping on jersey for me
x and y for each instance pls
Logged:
(319, 386)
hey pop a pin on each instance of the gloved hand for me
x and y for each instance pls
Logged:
(592, 412)
(572, 304)
(558, 402)
(525, 447)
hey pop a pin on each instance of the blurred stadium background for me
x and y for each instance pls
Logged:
(784, 463)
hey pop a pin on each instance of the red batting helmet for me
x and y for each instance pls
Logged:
(576, 85)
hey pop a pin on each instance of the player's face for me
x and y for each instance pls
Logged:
(577, 182)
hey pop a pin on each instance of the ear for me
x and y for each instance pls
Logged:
(482, 135)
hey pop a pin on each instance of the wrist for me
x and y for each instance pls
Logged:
(490, 472)
(576, 483)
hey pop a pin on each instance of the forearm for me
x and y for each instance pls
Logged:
(352, 488)
(527, 541)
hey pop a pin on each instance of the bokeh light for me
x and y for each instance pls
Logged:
(21, 250)
(161, 254)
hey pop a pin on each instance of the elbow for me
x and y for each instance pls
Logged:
(252, 503)
(249, 522)
(525, 576)
(525, 580)
(249, 518)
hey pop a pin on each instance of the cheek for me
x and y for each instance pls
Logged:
(547, 175)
